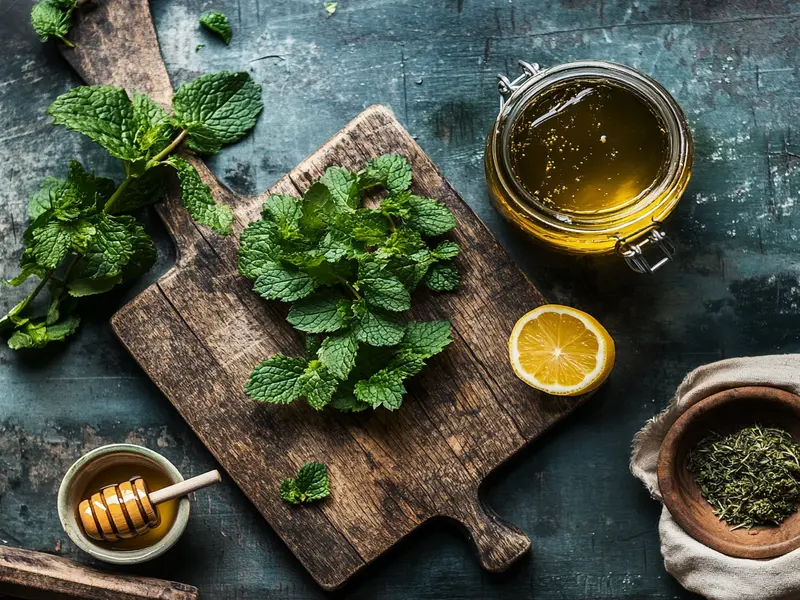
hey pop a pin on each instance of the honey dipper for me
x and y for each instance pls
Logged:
(129, 509)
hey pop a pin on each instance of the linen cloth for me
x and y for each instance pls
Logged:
(697, 567)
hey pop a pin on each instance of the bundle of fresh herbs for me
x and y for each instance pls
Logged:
(751, 477)
(349, 272)
(81, 241)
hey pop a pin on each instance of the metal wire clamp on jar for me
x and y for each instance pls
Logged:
(627, 231)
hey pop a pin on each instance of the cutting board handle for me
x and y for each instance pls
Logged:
(116, 44)
(499, 544)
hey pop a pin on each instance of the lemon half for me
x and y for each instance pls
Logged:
(561, 350)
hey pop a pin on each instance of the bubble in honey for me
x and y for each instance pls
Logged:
(588, 146)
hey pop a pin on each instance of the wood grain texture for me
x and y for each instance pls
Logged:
(465, 415)
(37, 576)
(726, 412)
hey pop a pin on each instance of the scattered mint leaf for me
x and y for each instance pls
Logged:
(223, 106)
(197, 199)
(322, 312)
(330, 7)
(52, 19)
(443, 277)
(275, 380)
(429, 217)
(102, 113)
(217, 22)
(280, 282)
(311, 484)
(338, 353)
(199, 47)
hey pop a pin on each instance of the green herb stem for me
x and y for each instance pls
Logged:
(24, 304)
(168, 150)
(66, 41)
(109, 206)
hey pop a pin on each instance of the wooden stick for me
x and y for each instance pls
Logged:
(185, 487)
(38, 576)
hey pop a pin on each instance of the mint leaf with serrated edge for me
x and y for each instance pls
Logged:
(382, 289)
(52, 18)
(311, 484)
(216, 22)
(390, 171)
(221, 106)
(349, 271)
(443, 277)
(430, 217)
(196, 197)
(322, 312)
(275, 380)
(338, 352)
(102, 113)
(282, 282)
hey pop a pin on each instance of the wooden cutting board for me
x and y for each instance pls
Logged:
(200, 329)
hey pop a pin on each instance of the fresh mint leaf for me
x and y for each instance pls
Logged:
(382, 289)
(223, 104)
(102, 113)
(80, 194)
(51, 243)
(363, 225)
(42, 200)
(330, 7)
(446, 250)
(335, 246)
(217, 22)
(430, 217)
(51, 19)
(443, 277)
(275, 380)
(390, 171)
(317, 384)
(376, 327)
(283, 282)
(318, 208)
(144, 252)
(311, 484)
(285, 211)
(110, 249)
(427, 338)
(154, 126)
(322, 312)
(259, 248)
(204, 140)
(343, 186)
(196, 197)
(382, 389)
(338, 353)
(37, 334)
(27, 271)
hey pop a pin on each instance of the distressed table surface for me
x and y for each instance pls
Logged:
(735, 290)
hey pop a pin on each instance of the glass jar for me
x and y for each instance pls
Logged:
(627, 229)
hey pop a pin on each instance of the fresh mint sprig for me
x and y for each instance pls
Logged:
(349, 272)
(310, 485)
(53, 19)
(80, 242)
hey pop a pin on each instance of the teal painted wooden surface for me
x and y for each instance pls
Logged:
(734, 291)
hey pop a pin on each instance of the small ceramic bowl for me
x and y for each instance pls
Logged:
(74, 485)
(726, 412)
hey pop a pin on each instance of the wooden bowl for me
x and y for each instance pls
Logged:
(726, 412)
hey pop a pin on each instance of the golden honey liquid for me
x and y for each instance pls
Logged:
(588, 147)
(155, 480)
